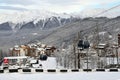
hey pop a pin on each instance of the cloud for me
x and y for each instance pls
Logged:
(56, 5)
(61, 2)
(12, 8)
(21, 2)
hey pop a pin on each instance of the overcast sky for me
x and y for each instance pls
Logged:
(58, 6)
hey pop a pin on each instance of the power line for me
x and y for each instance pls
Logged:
(97, 29)
(107, 10)
(105, 21)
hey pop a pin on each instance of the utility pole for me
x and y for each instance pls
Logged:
(87, 55)
(118, 49)
(79, 48)
(87, 59)
(74, 51)
(117, 56)
(97, 41)
(79, 52)
(78, 56)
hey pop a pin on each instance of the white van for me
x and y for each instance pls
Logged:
(14, 62)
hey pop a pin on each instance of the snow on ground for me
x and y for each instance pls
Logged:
(50, 63)
(63, 76)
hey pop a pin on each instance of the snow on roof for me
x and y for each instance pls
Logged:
(11, 48)
(49, 46)
(16, 57)
(16, 46)
(43, 45)
(102, 44)
(40, 49)
(88, 52)
(33, 61)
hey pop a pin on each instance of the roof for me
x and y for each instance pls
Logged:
(16, 57)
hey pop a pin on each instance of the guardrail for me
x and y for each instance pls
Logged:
(13, 70)
(32, 70)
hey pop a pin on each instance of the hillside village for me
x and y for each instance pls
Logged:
(60, 39)
(32, 50)
(95, 46)
(80, 55)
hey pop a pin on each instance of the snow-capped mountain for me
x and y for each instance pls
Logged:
(33, 19)
(45, 19)
(25, 16)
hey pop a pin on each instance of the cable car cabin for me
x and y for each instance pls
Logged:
(43, 57)
(15, 62)
(80, 44)
(83, 44)
(86, 44)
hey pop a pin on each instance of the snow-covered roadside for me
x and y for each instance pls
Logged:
(63, 76)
